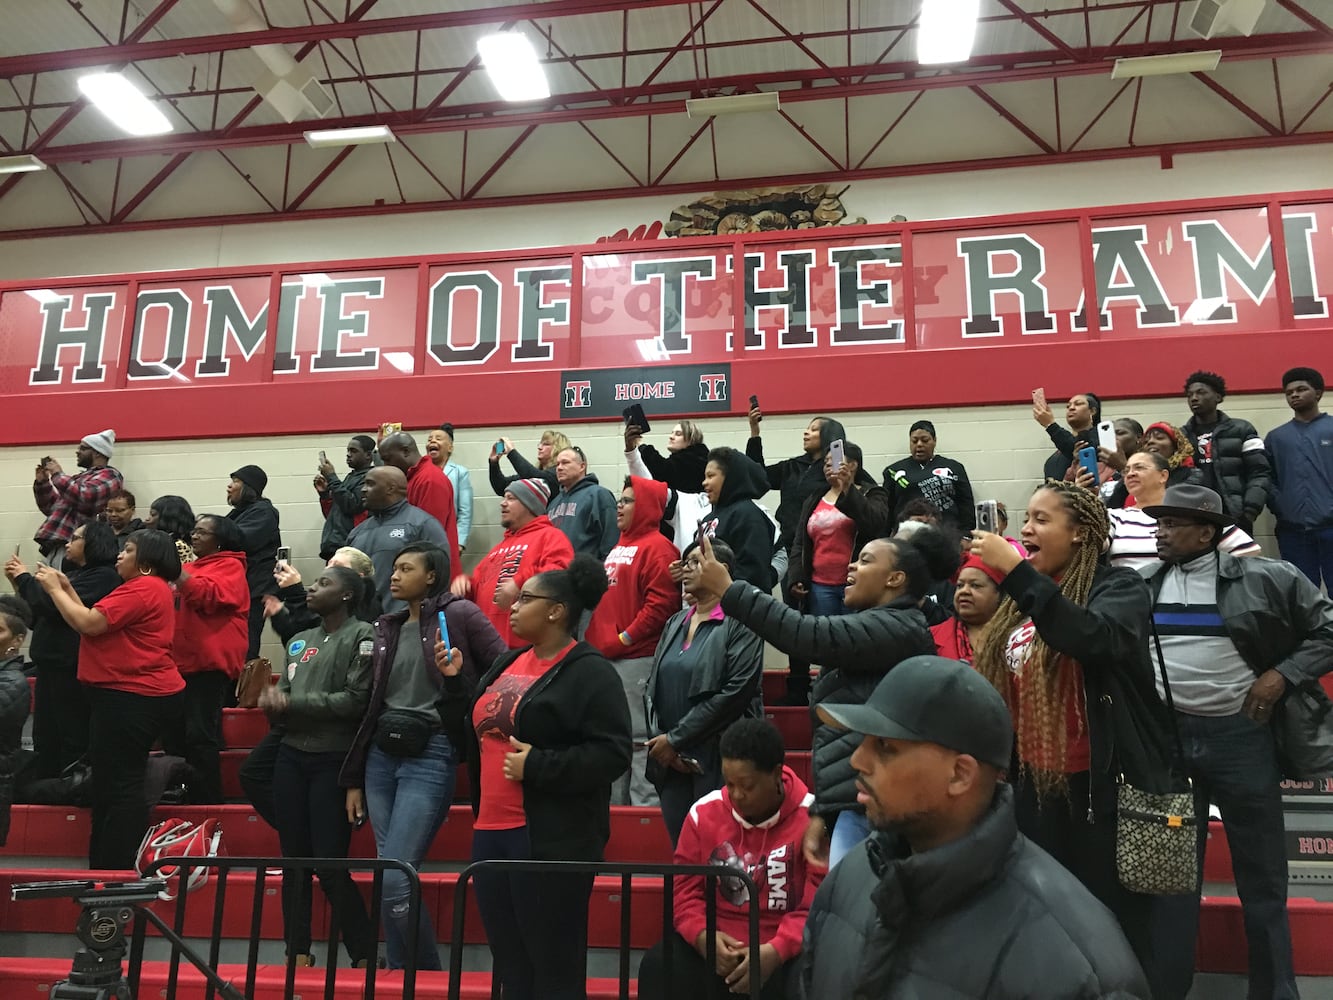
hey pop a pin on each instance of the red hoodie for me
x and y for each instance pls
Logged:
(520, 555)
(771, 853)
(212, 608)
(641, 597)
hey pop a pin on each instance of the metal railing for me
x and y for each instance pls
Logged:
(668, 873)
(220, 870)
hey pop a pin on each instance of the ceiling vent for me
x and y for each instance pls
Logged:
(1225, 17)
(288, 87)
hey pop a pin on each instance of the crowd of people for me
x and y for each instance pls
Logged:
(980, 699)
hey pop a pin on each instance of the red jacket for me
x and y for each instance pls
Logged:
(771, 853)
(429, 488)
(212, 608)
(951, 640)
(520, 555)
(641, 597)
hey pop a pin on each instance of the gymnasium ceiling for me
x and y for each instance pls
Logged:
(855, 104)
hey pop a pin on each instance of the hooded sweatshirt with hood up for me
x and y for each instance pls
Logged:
(714, 833)
(738, 522)
(640, 598)
(586, 513)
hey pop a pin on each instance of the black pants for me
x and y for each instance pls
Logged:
(122, 729)
(312, 823)
(196, 734)
(256, 776)
(1060, 827)
(677, 792)
(536, 925)
(59, 719)
(255, 624)
(691, 977)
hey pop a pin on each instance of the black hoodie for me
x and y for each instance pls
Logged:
(796, 478)
(258, 521)
(737, 521)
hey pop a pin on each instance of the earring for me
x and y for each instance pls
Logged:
(145, 572)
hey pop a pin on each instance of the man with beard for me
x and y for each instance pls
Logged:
(68, 501)
(960, 904)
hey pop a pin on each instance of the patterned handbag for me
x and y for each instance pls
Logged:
(1156, 836)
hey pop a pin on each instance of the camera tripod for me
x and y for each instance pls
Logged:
(98, 972)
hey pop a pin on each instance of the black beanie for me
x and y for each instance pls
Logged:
(1303, 375)
(252, 476)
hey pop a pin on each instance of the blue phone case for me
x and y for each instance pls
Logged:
(444, 631)
(1087, 458)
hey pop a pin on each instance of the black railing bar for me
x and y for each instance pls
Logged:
(624, 934)
(215, 942)
(256, 922)
(376, 902)
(178, 925)
(228, 991)
(136, 951)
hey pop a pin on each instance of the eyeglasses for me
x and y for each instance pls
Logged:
(624, 501)
(526, 598)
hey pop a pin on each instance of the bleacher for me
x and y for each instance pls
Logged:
(49, 842)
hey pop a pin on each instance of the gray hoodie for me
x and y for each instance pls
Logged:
(586, 513)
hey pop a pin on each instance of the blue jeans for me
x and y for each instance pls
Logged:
(1310, 550)
(850, 829)
(408, 799)
(1233, 764)
(826, 599)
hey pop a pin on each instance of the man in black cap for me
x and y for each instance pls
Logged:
(1301, 455)
(947, 898)
(1228, 451)
(1236, 635)
(257, 518)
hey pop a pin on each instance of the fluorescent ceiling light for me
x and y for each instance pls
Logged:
(732, 104)
(350, 136)
(513, 66)
(122, 102)
(20, 164)
(1176, 62)
(946, 30)
(44, 295)
(316, 280)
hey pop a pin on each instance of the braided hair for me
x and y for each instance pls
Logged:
(1046, 687)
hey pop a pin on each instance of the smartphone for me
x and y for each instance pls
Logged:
(391, 427)
(754, 405)
(1087, 458)
(323, 458)
(634, 414)
(988, 516)
(285, 554)
(1039, 396)
(1106, 436)
(693, 764)
(499, 447)
(444, 631)
(835, 454)
(360, 821)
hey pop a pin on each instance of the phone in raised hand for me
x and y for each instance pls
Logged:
(1106, 436)
(1087, 460)
(284, 555)
(835, 454)
(988, 516)
(1039, 397)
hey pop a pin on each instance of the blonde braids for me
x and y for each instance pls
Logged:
(1045, 690)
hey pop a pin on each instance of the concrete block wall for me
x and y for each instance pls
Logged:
(1001, 446)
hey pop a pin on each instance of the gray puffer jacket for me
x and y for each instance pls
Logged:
(988, 917)
(855, 651)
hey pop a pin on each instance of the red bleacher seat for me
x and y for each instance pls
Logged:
(794, 723)
(243, 728)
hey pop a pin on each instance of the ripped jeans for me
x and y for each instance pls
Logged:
(408, 799)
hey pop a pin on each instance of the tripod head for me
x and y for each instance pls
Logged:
(86, 892)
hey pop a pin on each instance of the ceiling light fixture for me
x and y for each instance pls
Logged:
(1175, 62)
(732, 104)
(512, 64)
(44, 295)
(22, 163)
(122, 102)
(358, 136)
(946, 31)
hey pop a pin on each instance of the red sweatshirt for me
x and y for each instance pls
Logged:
(429, 488)
(520, 555)
(212, 608)
(771, 853)
(641, 597)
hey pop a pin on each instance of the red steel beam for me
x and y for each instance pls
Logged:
(1043, 32)
(495, 115)
(500, 161)
(1304, 15)
(694, 187)
(1013, 120)
(1237, 103)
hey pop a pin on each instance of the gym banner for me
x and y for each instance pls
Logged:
(960, 312)
(665, 390)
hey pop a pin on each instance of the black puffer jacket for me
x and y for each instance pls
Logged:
(682, 470)
(988, 917)
(1128, 726)
(15, 700)
(795, 478)
(1239, 470)
(855, 651)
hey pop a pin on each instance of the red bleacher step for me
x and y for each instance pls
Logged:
(243, 728)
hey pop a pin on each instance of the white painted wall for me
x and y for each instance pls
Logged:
(960, 195)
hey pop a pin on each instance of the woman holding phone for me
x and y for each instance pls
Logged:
(400, 769)
(319, 699)
(550, 444)
(551, 732)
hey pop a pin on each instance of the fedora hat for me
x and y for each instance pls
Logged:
(1197, 503)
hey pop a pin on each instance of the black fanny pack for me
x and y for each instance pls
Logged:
(403, 734)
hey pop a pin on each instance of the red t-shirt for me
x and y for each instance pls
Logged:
(1078, 748)
(134, 653)
(501, 806)
(832, 539)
